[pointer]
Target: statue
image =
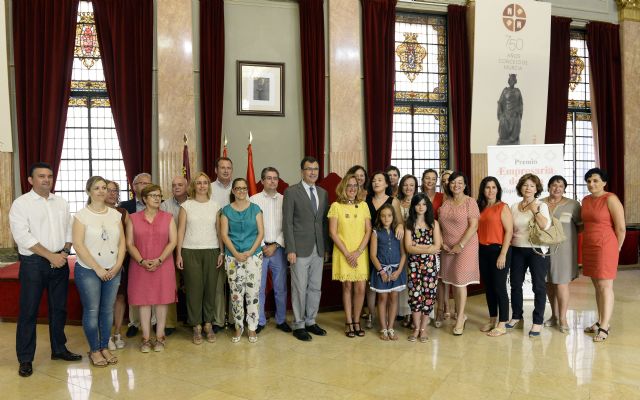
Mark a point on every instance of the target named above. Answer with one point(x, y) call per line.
point(510, 113)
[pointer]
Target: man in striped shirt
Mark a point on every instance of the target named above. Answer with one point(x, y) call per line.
point(274, 258)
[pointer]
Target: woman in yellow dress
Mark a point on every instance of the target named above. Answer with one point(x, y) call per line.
point(350, 229)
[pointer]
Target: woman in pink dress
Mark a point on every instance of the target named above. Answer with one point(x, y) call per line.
point(604, 232)
point(151, 238)
point(458, 218)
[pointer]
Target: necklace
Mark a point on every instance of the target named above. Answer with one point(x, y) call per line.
point(103, 211)
point(523, 206)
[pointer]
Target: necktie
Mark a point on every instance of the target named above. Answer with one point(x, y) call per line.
point(314, 203)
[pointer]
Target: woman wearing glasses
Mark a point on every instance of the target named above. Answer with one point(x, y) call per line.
point(151, 238)
point(241, 230)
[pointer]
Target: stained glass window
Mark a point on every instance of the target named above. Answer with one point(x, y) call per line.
point(421, 112)
point(90, 145)
point(579, 148)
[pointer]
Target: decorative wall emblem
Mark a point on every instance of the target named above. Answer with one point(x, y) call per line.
point(412, 55)
point(86, 46)
point(576, 66)
point(514, 17)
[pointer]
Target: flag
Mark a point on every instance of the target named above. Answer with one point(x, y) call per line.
point(186, 169)
point(251, 176)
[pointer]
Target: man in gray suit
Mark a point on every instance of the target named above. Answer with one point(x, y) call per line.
point(306, 238)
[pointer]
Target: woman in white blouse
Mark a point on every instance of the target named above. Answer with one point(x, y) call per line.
point(198, 255)
point(98, 238)
point(524, 256)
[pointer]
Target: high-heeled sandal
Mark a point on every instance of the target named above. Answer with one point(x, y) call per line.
point(349, 331)
point(359, 332)
point(111, 359)
point(236, 339)
point(460, 331)
point(100, 363)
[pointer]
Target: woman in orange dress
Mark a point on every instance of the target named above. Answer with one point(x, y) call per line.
point(604, 232)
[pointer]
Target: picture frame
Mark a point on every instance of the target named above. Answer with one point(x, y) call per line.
point(260, 88)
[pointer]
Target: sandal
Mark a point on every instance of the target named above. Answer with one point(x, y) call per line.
point(101, 363)
point(384, 335)
point(359, 332)
point(593, 328)
point(600, 338)
point(423, 337)
point(253, 336)
point(349, 330)
point(110, 358)
point(236, 339)
point(197, 334)
point(414, 336)
point(495, 332)
point(392, 334)
point(208, 332)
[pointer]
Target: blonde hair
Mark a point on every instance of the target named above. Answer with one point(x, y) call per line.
point(341, 190)
point(191, 191)
point(92, 181)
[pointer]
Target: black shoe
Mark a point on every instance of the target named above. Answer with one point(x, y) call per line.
point(316, 330)
point(302, 334)
point(169, 331)
point(259, 329)
point(25, 369)
point(284, 327)
point(217, 329)
point(132, 331)
point(66, 355)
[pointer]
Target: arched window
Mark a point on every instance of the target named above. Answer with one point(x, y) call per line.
point(421, 110)
point(90, 145)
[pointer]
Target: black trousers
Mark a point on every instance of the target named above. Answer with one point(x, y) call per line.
point(495, 280)
point(521, 259)
point(36, 275)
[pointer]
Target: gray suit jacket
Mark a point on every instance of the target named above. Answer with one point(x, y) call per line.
point(302, 228)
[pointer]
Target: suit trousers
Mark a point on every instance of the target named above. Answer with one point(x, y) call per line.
point(306, 288)
point(36, 275)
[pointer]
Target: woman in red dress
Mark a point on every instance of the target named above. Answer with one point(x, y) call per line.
point(604, 232)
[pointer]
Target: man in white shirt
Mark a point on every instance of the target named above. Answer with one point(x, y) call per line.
point(172, 205)
point(221, 187)
point(274, 258)
point(41, 227)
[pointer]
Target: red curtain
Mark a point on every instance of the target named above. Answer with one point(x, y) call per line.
point(460, 86)
point(125, 34)
point(312, 49)
point(211, 81)
point(378, 42)
point(43, 41)
point(603, 42)
point(559, 77)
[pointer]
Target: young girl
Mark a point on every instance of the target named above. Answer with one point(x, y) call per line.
point(422, 241)
point(388, 257)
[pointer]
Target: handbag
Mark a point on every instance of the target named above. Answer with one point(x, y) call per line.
point(554, 235)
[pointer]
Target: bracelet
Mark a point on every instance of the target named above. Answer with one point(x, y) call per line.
point(536, 213)
point(461, 245)
point(160, 259)
point(65, 250)
point(141, 261)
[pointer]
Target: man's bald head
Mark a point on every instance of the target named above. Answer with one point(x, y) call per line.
point(179, 186)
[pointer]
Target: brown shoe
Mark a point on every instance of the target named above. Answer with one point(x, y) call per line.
point(208, 332)
point(197, 334)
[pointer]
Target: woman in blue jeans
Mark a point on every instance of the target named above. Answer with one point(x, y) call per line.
point(98, 238)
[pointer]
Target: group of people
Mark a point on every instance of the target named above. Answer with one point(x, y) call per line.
point(423, 244)
point(394, 240)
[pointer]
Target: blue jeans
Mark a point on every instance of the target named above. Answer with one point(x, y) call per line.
point(35, 276)
point(97, 299)
point(277, 263)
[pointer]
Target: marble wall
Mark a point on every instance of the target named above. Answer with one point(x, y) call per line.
point(346, 108)
point(175, 89)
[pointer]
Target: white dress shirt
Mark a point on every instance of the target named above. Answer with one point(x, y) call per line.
point(220, 193)
point(272, 216)
point(34, 219)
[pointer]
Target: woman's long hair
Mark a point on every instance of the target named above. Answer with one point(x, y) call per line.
point(482, 199)
point(413, 216)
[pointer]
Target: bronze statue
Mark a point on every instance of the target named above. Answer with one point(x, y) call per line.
point(510, 113)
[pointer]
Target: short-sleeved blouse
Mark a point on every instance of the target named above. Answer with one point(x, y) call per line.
point(243, 227)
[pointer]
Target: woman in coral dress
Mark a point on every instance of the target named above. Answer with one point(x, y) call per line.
point(604, 232)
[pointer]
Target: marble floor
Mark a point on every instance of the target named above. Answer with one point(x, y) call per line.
point(472, 366)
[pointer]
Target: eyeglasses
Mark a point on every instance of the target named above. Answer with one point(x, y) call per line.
point(352, 186)
point(240, 189)
point(155, 196)
point(311, 169)
point(112, 190)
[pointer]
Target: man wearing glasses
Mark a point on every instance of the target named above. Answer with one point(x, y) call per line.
point(274, 258)
point(305, 225)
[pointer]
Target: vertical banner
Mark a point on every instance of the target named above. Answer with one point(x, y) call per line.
point(5, 108)
point(510, 73)
point(509, 163)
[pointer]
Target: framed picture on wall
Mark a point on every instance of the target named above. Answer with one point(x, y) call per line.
point(260, 88)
